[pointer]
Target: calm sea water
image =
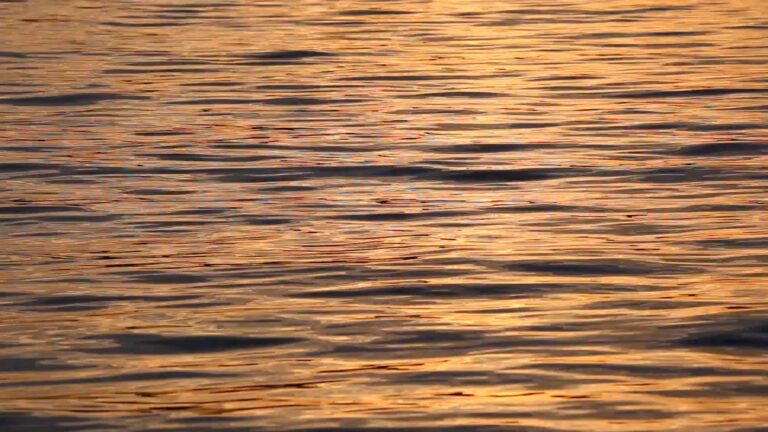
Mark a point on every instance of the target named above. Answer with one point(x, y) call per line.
point(442, 215)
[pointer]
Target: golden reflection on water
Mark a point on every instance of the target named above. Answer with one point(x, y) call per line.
point(276, 216)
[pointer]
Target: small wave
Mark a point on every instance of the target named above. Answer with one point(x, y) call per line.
point(72, 99)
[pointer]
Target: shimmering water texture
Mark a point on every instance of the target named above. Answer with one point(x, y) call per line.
point(375, 216)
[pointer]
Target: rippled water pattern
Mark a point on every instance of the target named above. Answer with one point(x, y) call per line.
point(384, 216)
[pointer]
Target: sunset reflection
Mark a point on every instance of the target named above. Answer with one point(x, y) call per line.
point(383, 216)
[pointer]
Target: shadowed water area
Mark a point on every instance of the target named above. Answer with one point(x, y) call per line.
point(429, 216)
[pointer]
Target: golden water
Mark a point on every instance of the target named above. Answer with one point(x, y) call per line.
point(377, 216)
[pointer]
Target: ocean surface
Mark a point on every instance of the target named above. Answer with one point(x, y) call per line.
point(427, 216)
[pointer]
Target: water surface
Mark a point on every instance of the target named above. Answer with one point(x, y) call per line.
point(384, 216)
